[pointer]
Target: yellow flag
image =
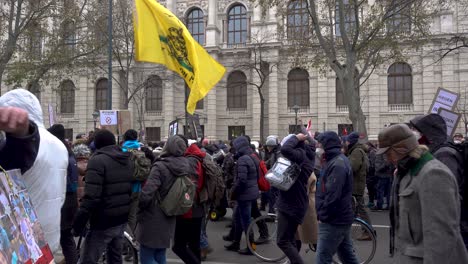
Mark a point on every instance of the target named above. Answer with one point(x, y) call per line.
point(160, 37)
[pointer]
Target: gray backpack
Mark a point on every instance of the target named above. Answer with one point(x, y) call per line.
point(179, 199)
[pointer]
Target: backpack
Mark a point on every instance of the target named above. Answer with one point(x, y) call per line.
point(463, 150)
point(142, 165)
point(214, 187)
point(263, 184)
point(179, 199)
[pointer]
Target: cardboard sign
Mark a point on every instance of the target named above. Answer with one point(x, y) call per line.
point(451, 119)
point(108, 117)
point(444, 99)
point(21, 237)
point(173, 128)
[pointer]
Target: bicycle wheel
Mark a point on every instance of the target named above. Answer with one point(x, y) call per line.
point(268, 252)
point(364, 249)
point(133, 245)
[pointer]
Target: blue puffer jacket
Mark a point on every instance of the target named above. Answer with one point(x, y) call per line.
point(333, 199)
point(295, 201)
point(245, 181)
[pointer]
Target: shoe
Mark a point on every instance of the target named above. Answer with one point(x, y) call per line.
point(234, 246)
point(128, 258)
point(364, 237)
point(244, 251)
point(228, 238)
point(262, 240)
point(204, 252)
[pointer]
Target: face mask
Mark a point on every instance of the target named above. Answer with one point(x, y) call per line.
point(417, 134)
point(457, 142)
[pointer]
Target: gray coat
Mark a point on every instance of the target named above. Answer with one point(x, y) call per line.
point(426, 217)
point(155, 229)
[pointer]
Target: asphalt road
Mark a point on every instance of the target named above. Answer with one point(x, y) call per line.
point(221, 256)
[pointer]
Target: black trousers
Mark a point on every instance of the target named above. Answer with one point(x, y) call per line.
point(287, 240)
point(187, 240)
point(67, 242)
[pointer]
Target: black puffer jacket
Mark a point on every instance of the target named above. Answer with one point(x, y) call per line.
point(245, 186)
point(108, 186)
point(295, 201)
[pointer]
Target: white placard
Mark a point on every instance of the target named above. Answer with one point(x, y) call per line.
point(108, 117)
point(447, 98)
point(451, 119)
point(436, 106)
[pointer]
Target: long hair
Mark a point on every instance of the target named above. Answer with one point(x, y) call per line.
point(418, 152)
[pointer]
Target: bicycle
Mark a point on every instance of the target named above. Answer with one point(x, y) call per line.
point(129, 241)
point(260, 251)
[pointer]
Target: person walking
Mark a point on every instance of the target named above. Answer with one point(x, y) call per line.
point(82, 154)
point(384, 173)
point(425, 206)
point(244, 191)
point(334, 203)
point(188, 226)
point(431, 130)
point(272, 153)
point(154, 228)
point(359, 160)
point(106, 202)
point(293, 204)
point(70, 206)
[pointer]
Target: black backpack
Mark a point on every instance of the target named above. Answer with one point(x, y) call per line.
point(463, 150)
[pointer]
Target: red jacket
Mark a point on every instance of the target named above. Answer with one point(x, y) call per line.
point(196, 156)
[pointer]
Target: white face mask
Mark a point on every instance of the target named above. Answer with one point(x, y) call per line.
point(457, 141)
point(417, 134)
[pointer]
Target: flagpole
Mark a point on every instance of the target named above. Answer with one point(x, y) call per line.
point(109, 83)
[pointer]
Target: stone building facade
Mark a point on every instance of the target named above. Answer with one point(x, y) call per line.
point(223, 117)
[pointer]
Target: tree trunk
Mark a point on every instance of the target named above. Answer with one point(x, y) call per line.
point(262, 118)
point(2, 70)
point(353, 100)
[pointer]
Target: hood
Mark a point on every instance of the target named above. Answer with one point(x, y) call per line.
point(242, 146)
point(194, 150)
point(130, 144)
point(177, 165)
point(24, 99)
point(329, 140)
point(433, 127)
point(175, 146)
point(115, 153)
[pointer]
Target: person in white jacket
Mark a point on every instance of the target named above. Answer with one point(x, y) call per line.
point(46, 179)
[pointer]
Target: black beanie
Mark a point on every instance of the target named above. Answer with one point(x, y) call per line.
point(58, 130)
point(104, 138)
point(131, 134)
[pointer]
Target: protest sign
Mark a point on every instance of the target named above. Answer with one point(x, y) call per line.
point(451, 119)
point(108, 117)
point(21, 237)
point(444, 99)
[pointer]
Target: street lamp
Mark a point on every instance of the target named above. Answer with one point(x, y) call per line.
point(95, 117)
point(296, 109)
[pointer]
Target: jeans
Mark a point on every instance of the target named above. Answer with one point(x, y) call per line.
point(384, 186)
point(203, 236)
point(242, 218)
point(361, 209)
point(187, 240)
point(67, 242)
point(97, 241)
point(286, 238)
point(152, 255)
point(334, 239)
point(255, 213)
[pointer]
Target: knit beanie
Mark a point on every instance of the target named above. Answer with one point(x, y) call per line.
point(353, 138)
point(58, 130)
point(104, 138)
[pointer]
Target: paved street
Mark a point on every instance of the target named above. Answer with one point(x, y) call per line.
point(221, 256)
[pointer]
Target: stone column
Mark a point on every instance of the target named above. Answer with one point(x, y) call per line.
point(273, 99)
point(172, 5)
point(212, 31)
point(211, 131)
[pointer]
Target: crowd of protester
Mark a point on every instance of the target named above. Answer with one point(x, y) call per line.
point(97, 187)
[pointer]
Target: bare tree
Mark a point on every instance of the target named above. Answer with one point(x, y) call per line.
point(261, 68)
point(354, 37)
point(15, 17)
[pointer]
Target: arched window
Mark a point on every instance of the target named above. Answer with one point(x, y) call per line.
point(154, 93)
point(237, 90)
point(67, 97)
point(101, 94)
point(298, 88)
point(196, 25)
point(237, 25)
point(298, 20)
point(400, 84)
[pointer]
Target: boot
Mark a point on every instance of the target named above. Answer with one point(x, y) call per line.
point(264, 237)
point(228, 238)
point(234, 246)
